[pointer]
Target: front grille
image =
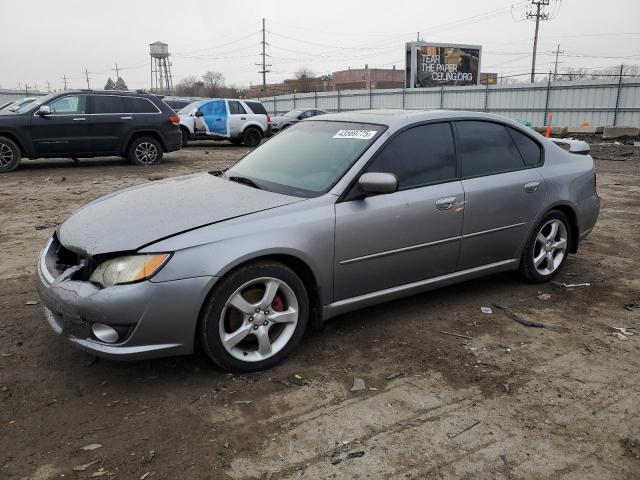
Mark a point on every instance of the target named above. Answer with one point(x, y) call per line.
point(65, 259)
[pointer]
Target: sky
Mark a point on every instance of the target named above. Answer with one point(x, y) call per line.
point(42, 40)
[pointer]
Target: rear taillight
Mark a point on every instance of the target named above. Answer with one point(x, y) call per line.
point(268, 119)
point(175, 119)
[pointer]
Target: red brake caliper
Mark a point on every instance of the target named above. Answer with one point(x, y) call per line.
point(278, 304)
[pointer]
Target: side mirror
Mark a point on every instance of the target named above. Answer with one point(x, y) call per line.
point(199, 114)
point(300, 117)
point(44, 110)
point(378, 183)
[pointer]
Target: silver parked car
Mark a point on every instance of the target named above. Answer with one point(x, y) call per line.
point(334, 214)
point(281, 122)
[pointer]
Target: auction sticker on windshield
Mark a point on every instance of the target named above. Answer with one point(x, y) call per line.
point(360, 134)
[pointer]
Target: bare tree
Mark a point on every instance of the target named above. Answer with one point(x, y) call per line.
point(190, 86)
point(213, 83)
point(304, 80)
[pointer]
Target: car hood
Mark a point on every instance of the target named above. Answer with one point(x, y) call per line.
point(135, 217)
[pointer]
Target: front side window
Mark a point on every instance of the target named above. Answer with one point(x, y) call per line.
point(308, 159)
point(486, 148)
point(71, 105)
point(235, 108)
point(421, 155)
point(108, 104)
point(214, 107)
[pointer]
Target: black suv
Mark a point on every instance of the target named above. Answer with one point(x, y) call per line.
point(86, 123)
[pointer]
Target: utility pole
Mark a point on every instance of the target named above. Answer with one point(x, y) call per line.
point(86, 75)
point(264, 64)
point(64, 79)
point(555, 69)
point(117, 71)
point(538, 14)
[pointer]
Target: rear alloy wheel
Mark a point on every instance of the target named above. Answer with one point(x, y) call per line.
point(9, 155)
point(145, 151)
point(185, 137)
point(251, 137)
point(255, 317)
point(546, 250)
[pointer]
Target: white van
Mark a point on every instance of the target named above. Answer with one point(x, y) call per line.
point(239, 121)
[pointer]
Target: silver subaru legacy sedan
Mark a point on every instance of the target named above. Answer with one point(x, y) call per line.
point(334, 214)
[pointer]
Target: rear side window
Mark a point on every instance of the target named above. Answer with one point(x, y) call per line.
point(107, 104)
point(235, 108)
point(419, 156)
point(529, 149)
point(140, 105)
point(486, 148)
point(257, 107)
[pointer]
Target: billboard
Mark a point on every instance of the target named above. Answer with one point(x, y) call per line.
point(440, 64)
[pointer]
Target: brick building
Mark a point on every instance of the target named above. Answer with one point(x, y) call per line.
point(357, 78)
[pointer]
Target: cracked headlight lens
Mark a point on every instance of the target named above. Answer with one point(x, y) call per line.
point(128, 269)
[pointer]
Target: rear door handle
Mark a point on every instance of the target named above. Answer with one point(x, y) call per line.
point(79, 119)
point(126, 118)
point(243, 118)
point(446, 203)
point(531, 187)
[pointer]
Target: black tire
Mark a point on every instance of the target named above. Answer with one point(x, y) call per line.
point(185, 136)
point(251, 137)
point(10, 155)
point(136, 152)
point(215, 306)
point(534, 248)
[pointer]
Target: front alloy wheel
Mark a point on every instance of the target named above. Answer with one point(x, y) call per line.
point(259, 319)
point(255, 316)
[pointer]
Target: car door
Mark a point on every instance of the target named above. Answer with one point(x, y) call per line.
point(65, 131)
point(503, 194)
point(237, 118)
point(215, 118)
point(111, 121)
point(412, 234)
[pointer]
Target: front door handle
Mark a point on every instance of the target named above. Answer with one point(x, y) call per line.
point(446, 203)
point(79, 119)
point(531, 187)
point(126, 118)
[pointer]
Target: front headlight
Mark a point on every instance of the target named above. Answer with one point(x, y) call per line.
point(131, 268)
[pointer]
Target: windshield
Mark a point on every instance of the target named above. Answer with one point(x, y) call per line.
point(308, 158)
point(187, 110)
point(34, 103)
point(292, 113)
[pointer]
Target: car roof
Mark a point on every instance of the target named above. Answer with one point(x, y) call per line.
point(108, 92)
point(398, 118)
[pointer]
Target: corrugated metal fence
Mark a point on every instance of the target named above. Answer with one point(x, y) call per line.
point(599, 102)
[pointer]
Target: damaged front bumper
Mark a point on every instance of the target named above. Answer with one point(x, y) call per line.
point(152, 319)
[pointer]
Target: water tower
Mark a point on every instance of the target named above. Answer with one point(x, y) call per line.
point(160, 68)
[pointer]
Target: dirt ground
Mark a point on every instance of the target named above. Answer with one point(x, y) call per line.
point(511, 402)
